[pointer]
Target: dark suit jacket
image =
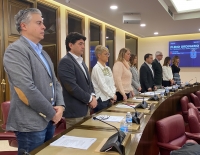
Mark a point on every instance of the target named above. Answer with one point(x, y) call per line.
point(157, 68)
point(77, 89)
point(146, 77)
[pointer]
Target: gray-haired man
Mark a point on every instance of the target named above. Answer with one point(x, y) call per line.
point(36, 97)
point(157, 68)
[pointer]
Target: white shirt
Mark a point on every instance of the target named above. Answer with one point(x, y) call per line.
point(103, 82)
point(150, 66)
point(167, 73)
point(79, 60)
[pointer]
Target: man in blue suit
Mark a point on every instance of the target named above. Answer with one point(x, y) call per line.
point(78, 91)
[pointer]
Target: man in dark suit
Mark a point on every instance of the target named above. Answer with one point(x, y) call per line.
point(78, 91)
point(147, 74)
point(157, 68)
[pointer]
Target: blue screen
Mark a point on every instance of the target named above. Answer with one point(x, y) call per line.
point(188, 52)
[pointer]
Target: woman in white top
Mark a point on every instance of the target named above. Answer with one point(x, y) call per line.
point(167, 73)
point(102, 79)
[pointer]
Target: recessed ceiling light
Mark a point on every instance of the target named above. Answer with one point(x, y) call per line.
point(107, 37)
point(142, 25)
point(156, 33)
point(199, 29)
point(113, 7)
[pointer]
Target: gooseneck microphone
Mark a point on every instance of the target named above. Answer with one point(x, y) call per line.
point(135, 118)
point(121, 134)
point(196, 83)
point(143, 104)
point(23, 152)
point(114, 142)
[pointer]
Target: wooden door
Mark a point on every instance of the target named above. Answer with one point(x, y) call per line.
point(8, 34)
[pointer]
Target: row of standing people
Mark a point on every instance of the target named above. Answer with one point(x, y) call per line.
point(37, 99)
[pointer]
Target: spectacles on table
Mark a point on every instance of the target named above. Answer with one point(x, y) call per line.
point(103, 117)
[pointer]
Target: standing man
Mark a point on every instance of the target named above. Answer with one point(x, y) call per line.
point(36, 100)
point(157, 68)
point(147, 74)
point(77, 87)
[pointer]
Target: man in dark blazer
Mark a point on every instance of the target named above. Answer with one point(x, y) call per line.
point(78, 91)
point(36, 96)
point(157, 68)
point(147, 74)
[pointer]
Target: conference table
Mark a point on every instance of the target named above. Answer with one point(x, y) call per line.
point(142, 137)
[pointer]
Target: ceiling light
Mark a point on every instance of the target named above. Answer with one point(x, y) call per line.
point(186, 5)
point(156, 33)
point(107, 37)
point(113, 7)
point(142, 25)
point(199, 29)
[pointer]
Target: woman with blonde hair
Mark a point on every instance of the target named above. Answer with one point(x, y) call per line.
point(102, 79)
point(122, 75)
point(176, 70)
point(135, 75)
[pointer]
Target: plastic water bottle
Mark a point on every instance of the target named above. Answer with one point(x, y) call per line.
point(124, 126)
point(162, 94)
point(129, 118)
point(166, 90)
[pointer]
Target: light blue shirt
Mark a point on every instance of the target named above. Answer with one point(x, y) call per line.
point(38, 49)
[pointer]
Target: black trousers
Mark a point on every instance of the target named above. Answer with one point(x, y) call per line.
point(166, 83)
point(120, 97)
point(102, 105)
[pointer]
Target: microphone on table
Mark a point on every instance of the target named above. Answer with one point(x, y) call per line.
point(196, 83)
point(154, 97)
point(23, 152)
point(114, 142)
point(135, 115)
point(143, 104)
point(189, 83)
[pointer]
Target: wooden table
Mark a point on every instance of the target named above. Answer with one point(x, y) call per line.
point(144, 139)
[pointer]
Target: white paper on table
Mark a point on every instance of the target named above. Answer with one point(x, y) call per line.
point(74, 142)
point(149, 94)
point(160, 91)
point(139, 99)
point(169, 88)
point(124, 106)
point(110, 118)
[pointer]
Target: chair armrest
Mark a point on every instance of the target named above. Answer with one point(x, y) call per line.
point(167, 146)
point(7, 136)
point(194, 136)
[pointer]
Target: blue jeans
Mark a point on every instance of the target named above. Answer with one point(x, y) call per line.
point(31, 140)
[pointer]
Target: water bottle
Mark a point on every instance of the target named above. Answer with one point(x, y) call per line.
point(124, 126)
point(129, 118)
point(162, 94)
point(166, 90)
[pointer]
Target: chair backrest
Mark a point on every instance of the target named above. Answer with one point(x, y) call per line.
point(5, 107)
point(195, 100)
point(184, 106)
point(171, 130)
point(197, 93)
point(194, 120)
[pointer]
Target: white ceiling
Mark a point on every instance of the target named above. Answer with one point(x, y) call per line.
point(152, 13)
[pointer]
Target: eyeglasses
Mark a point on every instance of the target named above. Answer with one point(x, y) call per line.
point(107, 54)
point(103, 117)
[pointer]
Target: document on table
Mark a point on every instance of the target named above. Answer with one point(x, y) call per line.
point(124, 106)
point(74, 142)
point(110, 118)
point(139, 99)
point(149, 94)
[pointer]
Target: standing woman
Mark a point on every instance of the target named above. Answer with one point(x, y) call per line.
point(135, 76)
point(122, 75)
point(176, 70)
point(167, 73)
point(102, 79)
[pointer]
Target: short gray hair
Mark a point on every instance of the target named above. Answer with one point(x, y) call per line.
point(99, 49)
point(24, 16)
point(158, 53)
